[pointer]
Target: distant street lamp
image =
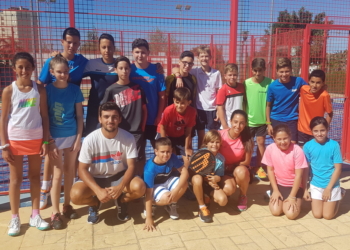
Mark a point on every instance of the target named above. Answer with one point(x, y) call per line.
point(179, 7)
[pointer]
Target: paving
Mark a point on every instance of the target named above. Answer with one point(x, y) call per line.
point(255, 228)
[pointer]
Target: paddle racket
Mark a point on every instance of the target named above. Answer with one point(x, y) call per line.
point(203, 163)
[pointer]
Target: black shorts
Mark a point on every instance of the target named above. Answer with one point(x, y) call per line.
point(178, 144)
point(285, 192)
point(303, 138)
point(258, 131)
point(205, 120)
point(141, 146)
point(110, 181)
point(292, 125)
point(150, 132)
point(229, 169)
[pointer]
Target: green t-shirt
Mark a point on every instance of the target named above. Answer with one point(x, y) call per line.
point(256, 101)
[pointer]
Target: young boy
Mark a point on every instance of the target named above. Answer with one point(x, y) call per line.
point(283, 99)
point(131, 100)
point(208, 84)
point(189, 81)
point(177, 122)
point(230, 96)
point(255, 97)
point(163, 186)
point(314, 101)
point(145, 74)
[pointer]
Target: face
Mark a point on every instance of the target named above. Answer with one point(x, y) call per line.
point(123, 70)
point(204, 59)
point(258, 74)
point(110, 120)
point(316, 84)
point(71, 44)
point(181, 106)
point(140, 54)
point(107, 49)
point(238, 123)
point(163, 152)
point(60, 72)
point(23, 69)
point(186, 64)
point(231, 77)
point(320, 133)
point(284, 74)
point(282, 140)
point(214, 146)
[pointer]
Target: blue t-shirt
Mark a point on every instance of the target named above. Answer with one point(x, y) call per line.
point(285, 99)
point(61, 106)
point(220, 164)
point(152, 83)
point(322, 158)
point(76, 70)
point(152, 169)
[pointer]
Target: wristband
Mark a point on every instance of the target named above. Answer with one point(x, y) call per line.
point(178, 76)
point(45, 142)
point(268, 123)
point(5, 146)
point(293, 198)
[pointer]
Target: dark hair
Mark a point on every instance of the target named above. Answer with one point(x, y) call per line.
point(162, 141)
point(187, 53)
point(58, 59)
point(258, 63)
point(283, 62)
point(245, 134)
point(110, 106)
point(181, 94)
point(70, 32)
point(140, 42)
point(122, 59)
point(106, 36)
point(281, 128)
point(25, 56)
point(317, 121)
point(318, 73)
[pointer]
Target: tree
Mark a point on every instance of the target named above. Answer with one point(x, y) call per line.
point(158, 43)
point(91, 44)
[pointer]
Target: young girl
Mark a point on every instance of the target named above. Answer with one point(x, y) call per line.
point(324, 157)
point(66, 127)
point(285, 163)
point(209, 185)
point(24, 124)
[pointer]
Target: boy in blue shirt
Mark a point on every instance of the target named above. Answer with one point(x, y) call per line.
point(163, 186)
point(283, 99)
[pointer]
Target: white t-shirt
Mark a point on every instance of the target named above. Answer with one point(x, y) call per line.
point(207, 84)
point(107, 157)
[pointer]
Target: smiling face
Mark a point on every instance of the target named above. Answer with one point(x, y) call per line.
point(284, 74)
point(60, 72)
point(204, 59)
point(186, 64)
point(110, 120)
point(107, 49)
point(258, 74)
point(214, 146)
point(123, 70)
point(163, 153)
point(316, 84)
point(23, 69)
point(71, 44)
point(320, 133)
point(231, 77)
point(238, 123)
point(140, 54)
point(282, 140)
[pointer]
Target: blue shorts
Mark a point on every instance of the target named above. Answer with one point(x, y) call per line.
point(292, 125)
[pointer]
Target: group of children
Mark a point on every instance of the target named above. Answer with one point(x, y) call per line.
point(48, 121)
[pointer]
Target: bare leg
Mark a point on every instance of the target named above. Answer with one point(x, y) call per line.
point(260, 140)
point(289, 212)
point(242, 177)
point(276, 209)
point(229, 185)
point(16, 177)
point(47, 169)
point(57, 166)
point(34, 177)
point(176, 196)
point(197, 183)
point(220, 197)
point(81, 194)
point(69, 172)
point(330, 209)
point(134, 190)
point(317, 208)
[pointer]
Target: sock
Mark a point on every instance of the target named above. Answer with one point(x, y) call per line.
point(46, 185)
point(14, 216)
point(201, 206)
point(35, 212)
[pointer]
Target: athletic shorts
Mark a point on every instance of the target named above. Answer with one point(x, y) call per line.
point(316, 193)
point(141, 146)
point(160, 189)
point(258, 131)
point(292, 125)
point(285, 192)
point(229, 169)
point(111, 181)
point(150, 132)
point(303, 138)
point(29, 147)
point(205, 120)
point(65, 142)
point(178, 143)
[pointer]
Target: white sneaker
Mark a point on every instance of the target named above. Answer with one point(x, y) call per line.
point(38, 222)
point(153, 211)
point(44, 195)
point(171, 209)
point(14, 227)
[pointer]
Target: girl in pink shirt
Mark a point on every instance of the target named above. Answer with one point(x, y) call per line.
point(285, 163)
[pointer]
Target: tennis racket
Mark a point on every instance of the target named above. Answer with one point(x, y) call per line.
point(203, 163)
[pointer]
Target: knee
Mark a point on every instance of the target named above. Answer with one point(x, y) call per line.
point(76, 196)
point(317, 215)
point(139, 187)
point(222, 200)
point(328, 216)
point(292, 215)
point(16, 181)
point(197, 180)
point(34, 177)
point(276, 212)
point(242, 173)
point(229, 189)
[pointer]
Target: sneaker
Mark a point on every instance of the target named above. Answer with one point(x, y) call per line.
point(261, 173)
point(14, 227)
point(204, 215)
point(171, 209)
point(56, 222)
point(44, 195)
point(242, 203)
point(122, 208)
point(69, 212)
point(38, 222)
point(94, 216)
point(153, 211)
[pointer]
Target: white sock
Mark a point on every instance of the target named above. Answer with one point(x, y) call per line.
point(201, 206)
point(46, 185)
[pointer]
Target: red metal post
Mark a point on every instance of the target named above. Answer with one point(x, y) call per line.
point(324, 47)
point(274, 59)
point(212, 49)
point(305, 62)
point(121, 43)
point(169, 64)
point(71, 13)
point(252, 53)
point(233, 31)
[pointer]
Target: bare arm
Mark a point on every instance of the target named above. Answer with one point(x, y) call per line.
point(176, 71)
point(222, 117)
point(247, 159)
point(44, 117)
point(162, 130)
point(161, 106)
point(144, 117)
point(329, 118)
point(188, 141)
point(335, 177)
point(149, 223)
point(6, 106)
point(183, 176)
point(80, 124)
point(268, 119)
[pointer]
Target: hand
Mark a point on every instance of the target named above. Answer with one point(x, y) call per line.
point(326, 196)
point(214, 185)
point(217, 117)
point(292, 204)
point(53, 151)
point(55, 53)
point(179, 83)
point(307, 196)
point(76, 146)
point(149, 225)
point(188, 152)
point(276, 195)
point(270, 129)
point(171, 196)
point(213, 178)
point(7, 155)
point(159, 69)
point(44, 150)
point(115, 191)
point(103, 195)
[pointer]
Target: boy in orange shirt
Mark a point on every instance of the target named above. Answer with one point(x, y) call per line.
point(314, 101)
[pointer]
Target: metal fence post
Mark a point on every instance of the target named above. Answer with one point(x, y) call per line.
point(233, 31)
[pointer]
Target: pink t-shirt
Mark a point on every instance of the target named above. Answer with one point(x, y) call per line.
point(284, 162)
point(232, 150)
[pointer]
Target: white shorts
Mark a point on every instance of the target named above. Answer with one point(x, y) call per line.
point(316, 193)
point(65, 142)
point(160, 189)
